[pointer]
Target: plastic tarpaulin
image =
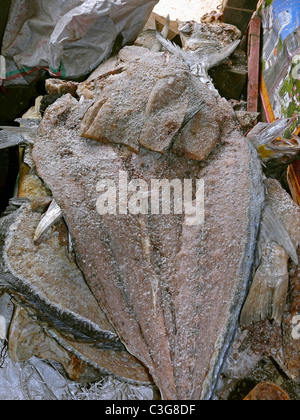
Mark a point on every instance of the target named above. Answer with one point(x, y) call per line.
point(281, 58)
point(68, 38)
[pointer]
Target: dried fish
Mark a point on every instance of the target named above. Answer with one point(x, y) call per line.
point(269, 140)
point(53, 291)
point(200, 62)
point(157, 279)
point(267, 391)
point(279, 237)
point(11, 139)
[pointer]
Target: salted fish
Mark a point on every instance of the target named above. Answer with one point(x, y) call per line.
point(43, 280)
point(172, 292)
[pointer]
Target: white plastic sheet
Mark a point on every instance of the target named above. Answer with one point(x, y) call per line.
point(38, 379)
point(68, 38)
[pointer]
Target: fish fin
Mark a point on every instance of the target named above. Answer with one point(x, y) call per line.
point(50, 218)
point(206, 61)
point(166, 28)
point(267, 295)
point(169, 45)
point(273, 230)
point(279, 299)
point(156, 47)
point(274, 130)
point(10, 139)
point(258, 303)
point(190, 59)
point(213, 60)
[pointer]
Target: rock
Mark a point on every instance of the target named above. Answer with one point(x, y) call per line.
point(247, 119)
point(61, 87)
point(267, 391)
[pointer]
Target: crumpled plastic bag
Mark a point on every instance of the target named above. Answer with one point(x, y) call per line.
point(38, 379)
point(67, 38)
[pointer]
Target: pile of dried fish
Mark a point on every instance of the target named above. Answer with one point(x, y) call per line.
point(142, 295)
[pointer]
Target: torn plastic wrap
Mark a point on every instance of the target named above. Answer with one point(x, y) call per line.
point(68, 39)
point(280, 87)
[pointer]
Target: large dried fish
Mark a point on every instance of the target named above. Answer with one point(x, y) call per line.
point(173, 292)
point(268, 291)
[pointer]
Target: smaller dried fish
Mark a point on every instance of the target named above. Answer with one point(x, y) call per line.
point(50, 218)
point(11, 139)
point(270, 142)
point(30, 123)
point(264, 133)
point(199, 64)
point(268, 292)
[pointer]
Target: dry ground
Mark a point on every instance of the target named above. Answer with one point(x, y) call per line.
point(186, 9)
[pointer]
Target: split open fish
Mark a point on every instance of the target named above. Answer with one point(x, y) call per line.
point(158, 280)
point(44, 281)
point(172, 292)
